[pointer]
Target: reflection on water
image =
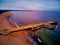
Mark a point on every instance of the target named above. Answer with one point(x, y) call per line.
point(20, 18)
point(29, 17)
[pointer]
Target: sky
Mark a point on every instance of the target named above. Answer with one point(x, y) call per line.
point(30, 5)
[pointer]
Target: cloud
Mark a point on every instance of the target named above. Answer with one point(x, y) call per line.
point(29, 5)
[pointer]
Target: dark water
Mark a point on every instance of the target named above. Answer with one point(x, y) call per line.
point(29, 17)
